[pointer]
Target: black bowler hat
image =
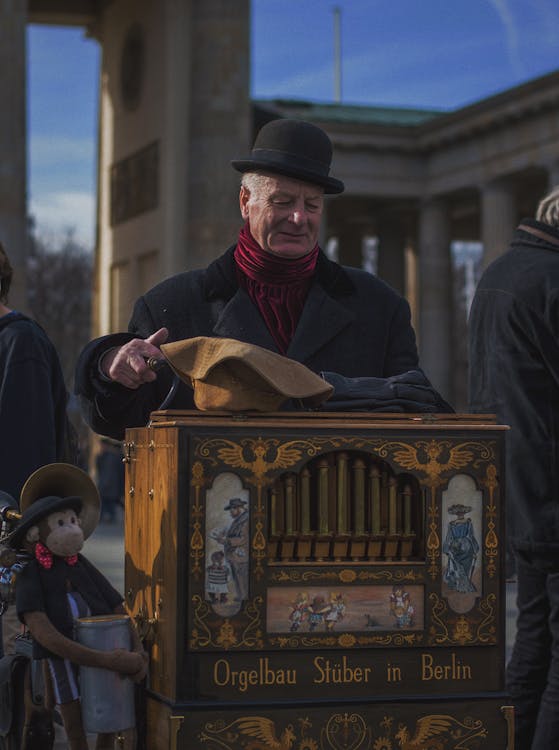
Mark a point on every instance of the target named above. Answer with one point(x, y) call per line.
point(37, 511)
point(294, 148)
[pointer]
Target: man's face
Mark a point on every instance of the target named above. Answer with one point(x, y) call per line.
point(284, 215)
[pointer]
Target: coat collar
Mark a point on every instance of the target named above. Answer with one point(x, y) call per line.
point(322, 319)
point(540, 232)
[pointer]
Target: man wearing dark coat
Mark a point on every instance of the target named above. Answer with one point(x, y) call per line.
point(274, 288)
point(514, 373)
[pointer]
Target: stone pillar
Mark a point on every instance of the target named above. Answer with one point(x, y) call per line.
point(13, 225)
point(392, 242)
point(435, 279)
point(218, 124)
point(498, 218)
point(350, 238)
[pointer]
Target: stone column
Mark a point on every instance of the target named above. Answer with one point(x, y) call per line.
point(350, 239)
point(13, 231)
point(435, 295)
point(498, 218)
point(392, 242)
point(218, 124)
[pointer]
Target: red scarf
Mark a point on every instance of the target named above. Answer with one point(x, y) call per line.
point(277, 286)
point(44, 556)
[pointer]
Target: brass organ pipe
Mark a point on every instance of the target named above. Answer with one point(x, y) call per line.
point(289, 504)
point(323, 496)
point(374, 488)
point(392, 506)
point(273, 511)
point(407, 509)
point(341, 495)
point(305, 501)
point(359, 496)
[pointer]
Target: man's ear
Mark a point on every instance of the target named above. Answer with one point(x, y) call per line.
point(244, 196)
point(32, 535)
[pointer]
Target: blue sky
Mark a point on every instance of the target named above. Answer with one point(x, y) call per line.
point(440, 54)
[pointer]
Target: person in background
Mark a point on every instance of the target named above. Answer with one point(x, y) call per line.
point(33, 394)
point(33, 399)
point(514, 373)
point(110, 478)
point(273, 287)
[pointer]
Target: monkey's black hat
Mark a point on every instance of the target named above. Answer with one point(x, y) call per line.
point(293, 148)
point(36, 512)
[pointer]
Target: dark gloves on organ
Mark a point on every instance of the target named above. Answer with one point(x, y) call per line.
point(409, 392)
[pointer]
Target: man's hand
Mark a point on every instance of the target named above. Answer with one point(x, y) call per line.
point(127, 364)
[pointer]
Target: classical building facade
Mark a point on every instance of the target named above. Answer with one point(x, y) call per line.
point(175, 109)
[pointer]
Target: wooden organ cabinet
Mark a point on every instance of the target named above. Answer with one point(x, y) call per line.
point(319, 581)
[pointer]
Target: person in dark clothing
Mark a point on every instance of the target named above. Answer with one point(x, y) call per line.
point(33, 400)
point(110, 478)
point(274, 288)
point(33, 395)
point(514, 373)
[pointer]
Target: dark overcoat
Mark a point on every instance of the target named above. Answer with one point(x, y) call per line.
point(32, 402)
point(514, 373)
point(352, 323)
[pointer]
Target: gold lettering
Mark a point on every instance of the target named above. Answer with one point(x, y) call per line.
point(453, 671)
point(339, 673)
point(243, 678)
point(221, 672)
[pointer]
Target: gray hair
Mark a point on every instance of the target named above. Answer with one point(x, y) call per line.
point(548, 209)
point(255, 182)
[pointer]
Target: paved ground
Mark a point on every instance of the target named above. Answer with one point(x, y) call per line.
point(105, 548)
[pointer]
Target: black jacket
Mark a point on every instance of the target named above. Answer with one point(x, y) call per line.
point(514, 373)
point(32, 402)
point(352, 323)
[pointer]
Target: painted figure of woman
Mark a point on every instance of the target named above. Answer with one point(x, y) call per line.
point(462, 548)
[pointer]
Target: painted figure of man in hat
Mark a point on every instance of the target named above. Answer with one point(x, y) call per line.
point(274, 287)
point(235, 542)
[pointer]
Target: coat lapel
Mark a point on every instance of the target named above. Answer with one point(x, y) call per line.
point(322, 320)
point(240, 320)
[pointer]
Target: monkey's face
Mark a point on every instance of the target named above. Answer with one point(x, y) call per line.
point(62, 533)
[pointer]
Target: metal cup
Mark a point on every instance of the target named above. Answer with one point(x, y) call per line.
point(107, 698)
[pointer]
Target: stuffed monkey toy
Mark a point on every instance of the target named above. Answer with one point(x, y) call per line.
point(57, 586)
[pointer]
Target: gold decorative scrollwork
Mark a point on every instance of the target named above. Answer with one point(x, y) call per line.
point(430, 457)
point(347, 640)
point(479, 627)
point(244, 633)
point(348, 731)
point(196, 539)
point(256, 455)
point(434, 457)
point(344, 731)
point(491, 539)
point(347, 576)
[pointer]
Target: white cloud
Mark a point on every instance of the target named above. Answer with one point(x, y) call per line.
point(57, 212)
point(510, 27)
